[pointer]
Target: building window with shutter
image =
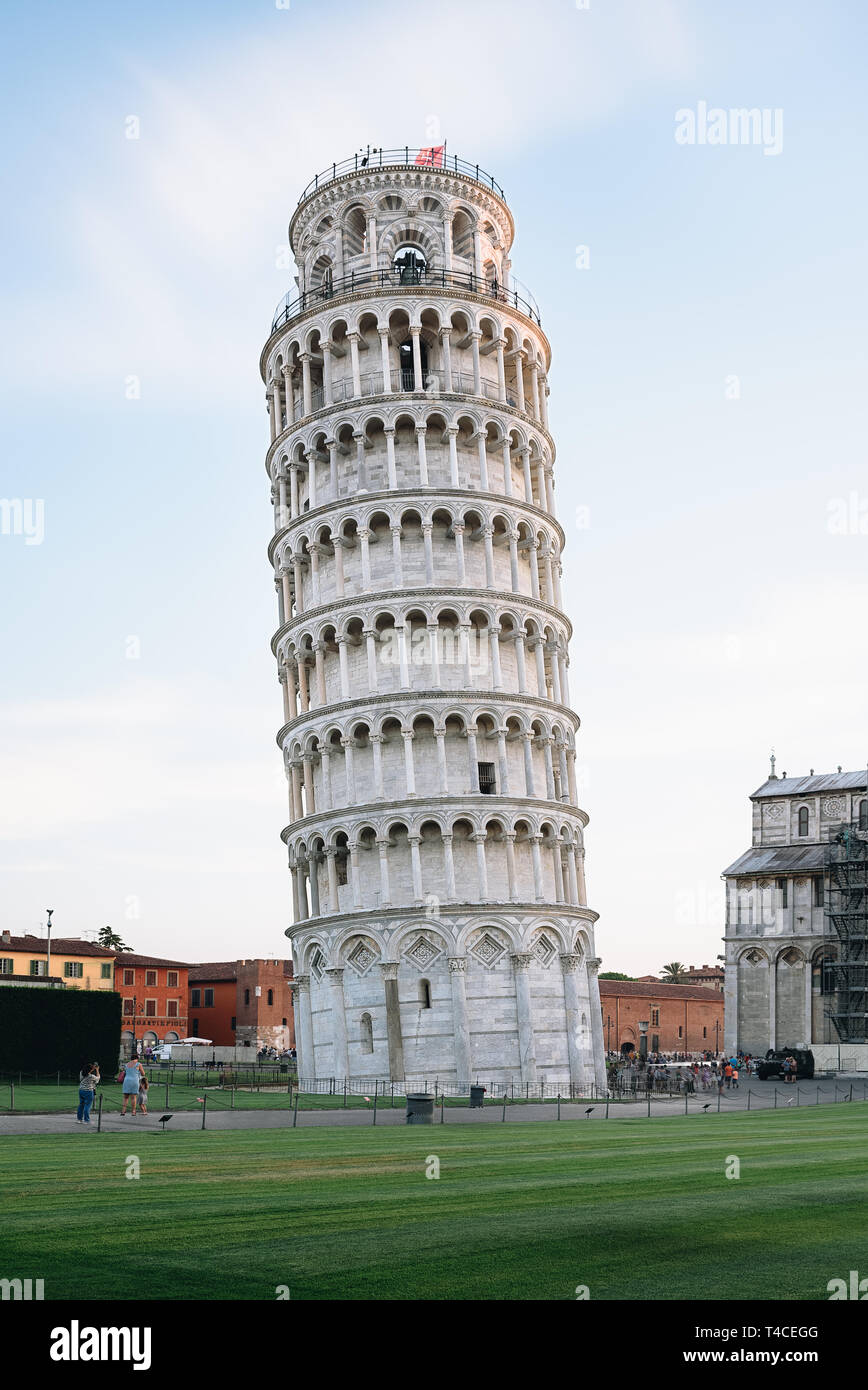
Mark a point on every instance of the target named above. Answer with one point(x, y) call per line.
point(151, 978)
point(171, 1008)
point(172, 979)
point(209, 999)
point(150, 1008)
point(195, 998)
point(129, 977)
point(487, 783)
point(106, 971)
point(73, 969)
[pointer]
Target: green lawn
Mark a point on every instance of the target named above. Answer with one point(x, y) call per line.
point(519, 1211)
point(47, 1098)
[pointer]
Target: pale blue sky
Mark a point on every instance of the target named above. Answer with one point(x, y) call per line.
point(715, 613)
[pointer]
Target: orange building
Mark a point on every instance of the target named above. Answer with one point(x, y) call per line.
point(680, 1018)
point(153, 999)
point(244, 1003)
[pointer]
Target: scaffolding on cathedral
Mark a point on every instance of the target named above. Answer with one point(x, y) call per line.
point(847, 928)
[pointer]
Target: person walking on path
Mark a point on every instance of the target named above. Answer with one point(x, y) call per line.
point(133, 1072)
point(88, 1080)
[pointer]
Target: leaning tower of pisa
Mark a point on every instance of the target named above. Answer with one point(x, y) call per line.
point(435, 838)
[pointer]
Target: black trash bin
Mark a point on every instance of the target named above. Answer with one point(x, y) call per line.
point(420, 1110)
point(477, 1096)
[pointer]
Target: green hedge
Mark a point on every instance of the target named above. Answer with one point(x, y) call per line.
point(55, 1029)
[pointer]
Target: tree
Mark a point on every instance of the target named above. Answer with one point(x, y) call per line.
point(614, 975)
point(674, 973)
point(111, 941)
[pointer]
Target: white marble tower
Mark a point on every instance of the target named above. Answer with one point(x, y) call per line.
point(441, 927)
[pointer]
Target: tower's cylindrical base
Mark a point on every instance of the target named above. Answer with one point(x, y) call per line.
point(507, 998)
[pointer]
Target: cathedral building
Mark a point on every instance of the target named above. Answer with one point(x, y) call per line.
point(786, 972)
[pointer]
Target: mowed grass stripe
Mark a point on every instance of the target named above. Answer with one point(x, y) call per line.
point(517, 1213)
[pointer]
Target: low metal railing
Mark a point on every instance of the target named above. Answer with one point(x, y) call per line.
point(422, 157)
point(395, 278)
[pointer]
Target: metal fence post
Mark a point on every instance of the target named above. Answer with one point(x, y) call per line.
point(748, 1098)
point(442, 1107)
point(776, 1097)
point(345, 1093)
point(649, 1105)
point(559, 1105)
point(167, 1095)
point(11, 1095)
point(718, 1100)
point(503, 1115)
point(818, 1095)
point(99, 1115)
point(798, 1093)
point(607, 1107)
point(204, 1108)
point(295, 1111)
point(376, 1087)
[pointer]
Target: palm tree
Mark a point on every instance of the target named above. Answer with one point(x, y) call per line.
point(674, 973)
point(111, 940)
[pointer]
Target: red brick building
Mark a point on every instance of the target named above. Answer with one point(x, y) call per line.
point(244, 1003)
point(711, 976)
point(680, 1018)
point(153, 999)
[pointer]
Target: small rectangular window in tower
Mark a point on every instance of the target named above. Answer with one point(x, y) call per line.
point(818, 891)
point(781, 885)
point(655, 1017)
point(487, 784)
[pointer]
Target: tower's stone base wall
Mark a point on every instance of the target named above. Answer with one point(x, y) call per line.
point(502, 998)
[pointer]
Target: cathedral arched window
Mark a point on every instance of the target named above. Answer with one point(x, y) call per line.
point(803, 820)
point(425, 994)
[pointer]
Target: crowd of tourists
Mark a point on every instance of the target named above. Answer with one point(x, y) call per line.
point(676, 1073)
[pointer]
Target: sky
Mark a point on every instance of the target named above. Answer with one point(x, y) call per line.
point(705, 303)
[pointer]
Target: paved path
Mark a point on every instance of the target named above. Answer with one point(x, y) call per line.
point(761, 1094)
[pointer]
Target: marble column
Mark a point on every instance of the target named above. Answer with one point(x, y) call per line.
point(306, 1061)
point(394, 1037)
point(460, 1025)
point(340, 1050)
point(527, 1059)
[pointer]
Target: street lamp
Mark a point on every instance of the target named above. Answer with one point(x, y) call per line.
point(608, 1032)
point(643, 1038)
point(50, 913)
point(716, 1036)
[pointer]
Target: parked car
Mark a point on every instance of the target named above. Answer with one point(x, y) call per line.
point(771, 1066)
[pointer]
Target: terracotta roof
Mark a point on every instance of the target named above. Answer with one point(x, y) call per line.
point(655, 991)
point(130, 958)
point(213, 970)
point(66, 946)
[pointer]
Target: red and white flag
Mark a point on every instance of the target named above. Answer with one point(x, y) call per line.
point(432, 155)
